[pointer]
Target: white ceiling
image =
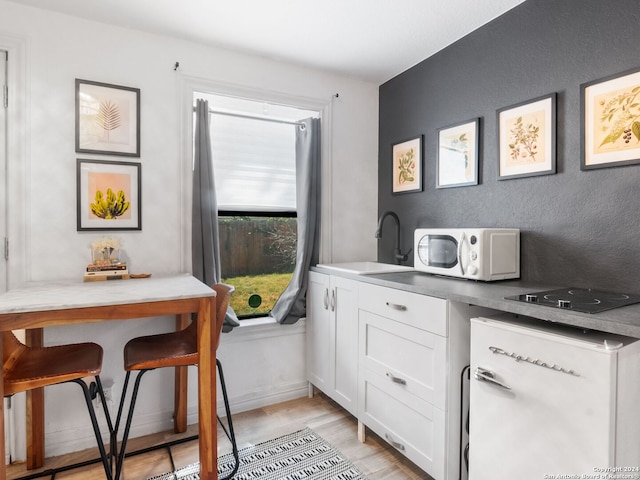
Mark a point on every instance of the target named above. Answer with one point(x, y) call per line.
point(373, 40)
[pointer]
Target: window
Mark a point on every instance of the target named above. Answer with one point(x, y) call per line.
point(255, 177)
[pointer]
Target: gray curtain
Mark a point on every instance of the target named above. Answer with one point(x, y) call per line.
point(291, 306)
point(205, 245)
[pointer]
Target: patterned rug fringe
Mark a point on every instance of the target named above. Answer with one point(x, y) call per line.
point(301, 455)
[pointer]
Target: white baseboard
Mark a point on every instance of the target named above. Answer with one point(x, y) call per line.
point(255, 399)
point(264, 398)
point(255, 358)
point(77, 439)
point(72, 440)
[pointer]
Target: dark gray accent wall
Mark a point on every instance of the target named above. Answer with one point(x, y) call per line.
point(579, 228)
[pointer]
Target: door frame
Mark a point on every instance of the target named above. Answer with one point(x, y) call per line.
point(17, 167)
point(4, 210)
point(15, 193)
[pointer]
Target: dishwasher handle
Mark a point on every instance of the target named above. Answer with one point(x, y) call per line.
point(484, 375)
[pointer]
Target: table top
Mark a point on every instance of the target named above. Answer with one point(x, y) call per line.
point(60, 295)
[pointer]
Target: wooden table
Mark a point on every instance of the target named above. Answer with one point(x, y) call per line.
point(39, 305)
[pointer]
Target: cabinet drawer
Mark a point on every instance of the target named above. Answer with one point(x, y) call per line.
point(412, 426)
point(420, 311)
point(408, 359)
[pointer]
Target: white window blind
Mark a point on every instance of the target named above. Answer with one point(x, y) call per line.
point(253, 160)
point(254, 164)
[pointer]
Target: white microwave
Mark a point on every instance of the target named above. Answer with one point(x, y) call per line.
point(485, 254)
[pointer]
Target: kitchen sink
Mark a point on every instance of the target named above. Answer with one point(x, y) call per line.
point(366, 268)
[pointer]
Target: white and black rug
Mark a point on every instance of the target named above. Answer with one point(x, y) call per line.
point(302, 455)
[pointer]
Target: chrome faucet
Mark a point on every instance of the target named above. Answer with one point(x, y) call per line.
point(397, 254)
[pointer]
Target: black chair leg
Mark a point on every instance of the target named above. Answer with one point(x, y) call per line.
point(114, 431)
point(94, 421)
point(127, 427)
point(113, 448)
point(113, 454)
point(230, 432)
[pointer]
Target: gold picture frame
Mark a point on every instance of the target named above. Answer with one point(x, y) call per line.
point(610, 115)
point(527, 138)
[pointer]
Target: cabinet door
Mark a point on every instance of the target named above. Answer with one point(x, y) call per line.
point(345, 339)
point(319, 332)
point(332, 338)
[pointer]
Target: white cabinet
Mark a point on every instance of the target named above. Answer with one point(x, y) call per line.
point(332, 337)
point(412, 350)
point(318, 331)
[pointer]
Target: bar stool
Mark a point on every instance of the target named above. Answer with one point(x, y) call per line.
point(173, 349)
point(27, 368)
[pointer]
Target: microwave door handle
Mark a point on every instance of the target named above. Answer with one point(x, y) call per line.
point(462, 239)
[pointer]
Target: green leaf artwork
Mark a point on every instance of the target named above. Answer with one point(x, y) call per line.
point(406, 167)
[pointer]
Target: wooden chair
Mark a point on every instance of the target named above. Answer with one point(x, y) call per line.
point(173, 349)
point(25, 368)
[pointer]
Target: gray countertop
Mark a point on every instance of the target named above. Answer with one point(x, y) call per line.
point(621, 321)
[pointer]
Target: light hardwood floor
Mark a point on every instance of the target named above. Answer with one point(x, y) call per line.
point(375, 458)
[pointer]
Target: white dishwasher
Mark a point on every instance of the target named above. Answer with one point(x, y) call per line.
point(549, 401)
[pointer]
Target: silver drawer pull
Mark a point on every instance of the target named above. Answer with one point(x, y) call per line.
point(395, 379)
point(484, 375)
point(395, 444)
point(397, 306)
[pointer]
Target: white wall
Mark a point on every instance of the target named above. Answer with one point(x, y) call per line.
point(49, 51)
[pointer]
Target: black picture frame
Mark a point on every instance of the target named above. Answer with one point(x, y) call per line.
point(407, 165)
point(105, 187)
point(459, 154)
point(107, 119)
point(520, 128)
point(610, 121)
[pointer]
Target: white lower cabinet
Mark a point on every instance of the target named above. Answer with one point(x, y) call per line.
point(332, 338)
point(394, 359)
point(408, 423)
point(412, 352)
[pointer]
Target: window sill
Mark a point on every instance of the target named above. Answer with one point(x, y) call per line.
point(262, 327)
point(251, 322)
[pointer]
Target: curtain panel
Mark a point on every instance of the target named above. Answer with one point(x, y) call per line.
point(205, 245)
point(291, 306)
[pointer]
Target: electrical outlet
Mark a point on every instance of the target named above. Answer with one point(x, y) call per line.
point(108, 394)
point(108, 387)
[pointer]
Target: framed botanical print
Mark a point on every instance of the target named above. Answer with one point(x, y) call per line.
point(407, 166)
point(527, 138)
point(107, 119)
point(108, 195)
point(610, 117)
point(458, 154)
